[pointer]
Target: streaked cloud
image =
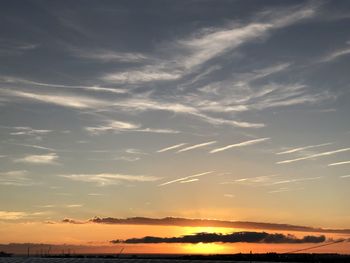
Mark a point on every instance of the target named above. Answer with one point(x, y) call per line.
point(74, 205)
point(189, 181)
point(297, 180)
point(171, 147)
point(196, 146)
point(12, 215)
point(15, 178)
point(339, 163)
point(127, 158)
point(242, 144)
point(345, 176)
point(104, 179)
point(16, 80)
point(186, 179)
point(115, 126)
point(103, 55)
point(28, 131)
point(39, 159)
point(293, 150)
point(313, 156)
point(337, 54)
point(71, 101)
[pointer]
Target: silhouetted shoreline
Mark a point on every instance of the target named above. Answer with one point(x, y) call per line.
point(266, 257)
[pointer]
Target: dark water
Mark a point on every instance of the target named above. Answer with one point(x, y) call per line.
point(102, 260)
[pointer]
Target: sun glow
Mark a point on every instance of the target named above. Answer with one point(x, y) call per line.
point(205, 248)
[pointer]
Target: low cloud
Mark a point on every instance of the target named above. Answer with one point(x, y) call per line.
point(174, 221)
point(246, 237)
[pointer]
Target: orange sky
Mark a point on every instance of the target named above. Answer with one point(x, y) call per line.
point(94, 238)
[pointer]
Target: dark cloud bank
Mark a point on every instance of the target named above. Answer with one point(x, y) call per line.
point(174, 221)
point(247, 237)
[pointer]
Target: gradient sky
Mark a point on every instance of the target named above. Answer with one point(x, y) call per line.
point(233, 110)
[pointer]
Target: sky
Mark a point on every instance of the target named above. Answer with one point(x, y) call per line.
point(201, 109)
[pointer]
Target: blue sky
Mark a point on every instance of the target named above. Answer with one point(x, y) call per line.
point(206, 109)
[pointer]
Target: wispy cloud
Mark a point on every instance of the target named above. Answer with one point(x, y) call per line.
point(39, 159)
point(252, 180)
point(196, 146)
point(297, 180)
point(71, 101)
point(303, 148)
point(186, 179)
point(314, 156)
point(104, 179)
point(171, 147)
point(29, 131)
point(74, 205)
point(115, 126)
point(242, 144)
point(336, 55)
point(15, 178)
point(165, 131)
point(127, 158)
point(339, 163)
point(123, 126)
point(16, 80)
point(345, 176)
point(11, 215)
point(103, 55)
point(189, 181)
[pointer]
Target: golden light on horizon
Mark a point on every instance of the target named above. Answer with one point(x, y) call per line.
point(205, 248)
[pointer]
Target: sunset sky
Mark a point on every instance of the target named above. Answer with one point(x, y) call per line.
point(197, 109)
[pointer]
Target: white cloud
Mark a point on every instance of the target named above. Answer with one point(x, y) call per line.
point(71, 101)
point(192, 52)
point(314, 156)
point(103, 55)
point(303, 148)
point(189, 181)
point(242, 144)
point(15, 178)
point(74, 205)
point(297, 180)
point(15, 80)
point(336, 55)
point(9, 215)
point(171, 147)
point(127, 158)
point(345, 176)
point(339, 163)
point(29, 131)
point(103, 179)
point(165, 131)
point(186, 179)
point(196, 146)
point(39, 159)
point(115, 126)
